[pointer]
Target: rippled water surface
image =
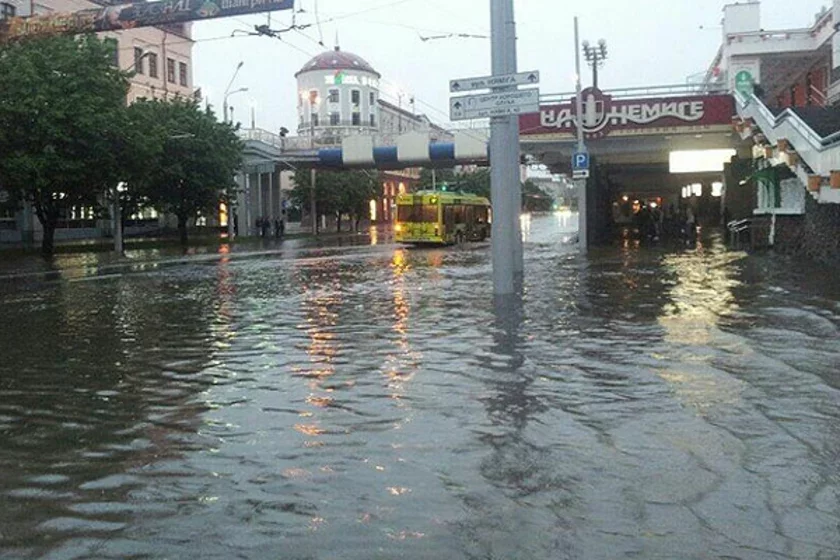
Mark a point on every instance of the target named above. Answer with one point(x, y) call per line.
point(373, 402)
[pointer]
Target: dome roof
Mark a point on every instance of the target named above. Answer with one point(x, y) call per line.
point(337, 59)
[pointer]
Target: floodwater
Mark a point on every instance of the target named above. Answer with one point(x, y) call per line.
point(372, 402)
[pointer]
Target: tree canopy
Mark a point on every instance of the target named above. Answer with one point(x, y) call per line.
point(61, 110)
point(337, 192)
point(190, 159)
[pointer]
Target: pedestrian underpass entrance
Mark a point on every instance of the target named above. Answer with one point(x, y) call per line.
point(657, 149)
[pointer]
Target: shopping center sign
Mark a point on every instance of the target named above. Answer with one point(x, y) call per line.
point(130, 16)
point(603, 115)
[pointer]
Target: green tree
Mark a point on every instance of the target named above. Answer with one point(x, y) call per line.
point(61, 107)
point(337, 193)
point(192, 162)
point(534, 199)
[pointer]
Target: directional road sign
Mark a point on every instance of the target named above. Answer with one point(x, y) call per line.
point(488, 82)
point(494, 104)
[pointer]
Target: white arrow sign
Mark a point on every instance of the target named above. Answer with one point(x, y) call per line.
point(488, 82)
point(494, 104)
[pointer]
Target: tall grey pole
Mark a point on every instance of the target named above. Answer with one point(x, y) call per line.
point(583, 235)
point(515, 180)
point(118, 232)
point(504, 159)
point(313, 205)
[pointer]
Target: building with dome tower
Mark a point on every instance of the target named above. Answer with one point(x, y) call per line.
point(339, 96)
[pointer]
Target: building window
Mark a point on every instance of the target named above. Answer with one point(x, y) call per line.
point(335, 119)
point(355, 97)
point(138, 60)
point(357, 119)
point(372, 99)
point(153, 69)
point(170, 70)
point(334, 96)
point(372, 120)
point(314, 119)
point(182, 73)
point(7, 10)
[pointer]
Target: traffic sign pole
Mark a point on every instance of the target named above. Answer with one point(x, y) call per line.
point(583, 232)
point(515, 180)
point(504, 158)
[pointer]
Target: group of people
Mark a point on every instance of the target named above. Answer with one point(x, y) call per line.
point(267, 226)
point(654, 223)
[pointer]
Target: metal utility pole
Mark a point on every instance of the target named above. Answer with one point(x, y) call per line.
point(504, 154)
point(117, 215)
point(583, 237)
point(313, 205)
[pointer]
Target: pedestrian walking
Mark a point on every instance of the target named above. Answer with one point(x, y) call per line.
point(690, 226)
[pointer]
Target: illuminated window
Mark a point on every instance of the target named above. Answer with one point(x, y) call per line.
point(717, 189)
point(697, 189)
point(699, 161)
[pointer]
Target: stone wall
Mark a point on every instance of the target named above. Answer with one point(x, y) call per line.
point(815, 235)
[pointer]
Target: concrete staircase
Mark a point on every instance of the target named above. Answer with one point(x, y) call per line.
point(807, 141)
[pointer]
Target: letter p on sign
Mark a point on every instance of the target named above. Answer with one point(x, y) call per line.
point(580, 161)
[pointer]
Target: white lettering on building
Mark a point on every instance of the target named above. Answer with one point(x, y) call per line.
point(634, 113)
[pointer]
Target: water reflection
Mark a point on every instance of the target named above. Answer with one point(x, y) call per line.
point(316, 402)
point(92, 400)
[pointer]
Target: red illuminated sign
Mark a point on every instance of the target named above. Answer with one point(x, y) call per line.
point(603, 115)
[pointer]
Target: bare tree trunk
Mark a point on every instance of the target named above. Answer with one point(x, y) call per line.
point(338, 221)
point(182, 229)
point(48, 242)
point(48, 216)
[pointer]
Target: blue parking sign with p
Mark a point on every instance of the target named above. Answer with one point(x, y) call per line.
point(580, 161)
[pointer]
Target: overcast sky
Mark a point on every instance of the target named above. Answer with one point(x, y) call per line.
point(651, 42)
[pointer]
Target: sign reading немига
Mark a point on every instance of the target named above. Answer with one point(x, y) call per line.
point(603, 115)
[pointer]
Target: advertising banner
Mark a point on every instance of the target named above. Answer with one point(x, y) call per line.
point(603, 115)
point(130, 16)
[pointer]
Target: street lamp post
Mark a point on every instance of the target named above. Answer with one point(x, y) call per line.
point(230, 84)
point(583, 232)
point(313, 205)
point(227, 109)
point(596, 56)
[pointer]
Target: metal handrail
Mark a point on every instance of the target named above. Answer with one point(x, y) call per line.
point(736, 228)
point(639, 91)
point(819, 143)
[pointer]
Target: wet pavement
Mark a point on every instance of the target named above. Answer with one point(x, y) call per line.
point(368, 401)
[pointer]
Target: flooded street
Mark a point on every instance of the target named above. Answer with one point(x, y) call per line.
point(372, 401)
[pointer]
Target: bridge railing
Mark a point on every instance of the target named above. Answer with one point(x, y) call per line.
point(674, 90)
